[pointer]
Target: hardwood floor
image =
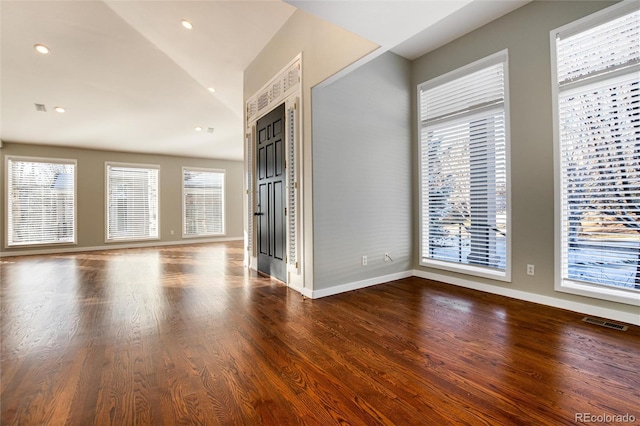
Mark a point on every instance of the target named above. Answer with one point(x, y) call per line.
point(186, 335)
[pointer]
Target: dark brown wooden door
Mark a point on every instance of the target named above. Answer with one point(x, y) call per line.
point(271, 194)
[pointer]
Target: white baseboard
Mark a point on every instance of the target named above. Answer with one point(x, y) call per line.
point(359, 284)
point(303, 291)
point(76, 249)
point(582, 308)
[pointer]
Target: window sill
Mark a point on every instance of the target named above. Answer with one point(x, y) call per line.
point(476, 271)
point(204, 235)
point(127, 240)
point(620, 295)
point(61, 243)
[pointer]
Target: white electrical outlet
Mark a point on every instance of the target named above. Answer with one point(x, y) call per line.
point(364, 260)
point(531, 269)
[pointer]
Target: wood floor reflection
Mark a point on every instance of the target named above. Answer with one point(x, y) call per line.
point(186, 335)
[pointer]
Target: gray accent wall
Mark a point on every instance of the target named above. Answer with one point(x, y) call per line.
point(362, 173)
point(90, 195)
point(525, 33)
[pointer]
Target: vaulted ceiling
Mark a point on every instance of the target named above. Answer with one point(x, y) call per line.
point(131, 77)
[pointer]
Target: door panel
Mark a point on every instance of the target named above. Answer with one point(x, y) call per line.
point(271, 194)
point(262, 163)
point(277, 127)
point(279, 158)
point(270, 160)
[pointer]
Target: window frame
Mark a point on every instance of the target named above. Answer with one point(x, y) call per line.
point(474, 270)
point(582, 288)
point(45, 160)
point(224, 201)
point(106, 198)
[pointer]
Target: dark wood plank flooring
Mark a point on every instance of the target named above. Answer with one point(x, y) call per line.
point(186, 335)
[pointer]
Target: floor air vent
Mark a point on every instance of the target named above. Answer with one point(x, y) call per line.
point(603, 323)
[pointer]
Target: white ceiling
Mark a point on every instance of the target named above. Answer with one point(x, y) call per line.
point(387, 23)
point(131, 78)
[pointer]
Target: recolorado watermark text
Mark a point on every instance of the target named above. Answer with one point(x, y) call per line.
point(604, 418)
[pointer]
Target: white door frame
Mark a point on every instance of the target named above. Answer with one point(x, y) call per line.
point(285, 87)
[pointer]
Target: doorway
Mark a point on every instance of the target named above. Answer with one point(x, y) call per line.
point(270, 207)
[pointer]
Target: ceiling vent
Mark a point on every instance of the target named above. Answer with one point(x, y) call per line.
point(210, 130)
point(41, 107)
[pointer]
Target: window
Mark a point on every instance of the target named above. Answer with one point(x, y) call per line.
point(202, 202)
point(132, 202)
point(41, 201)
point(464, 170)
point(597, 139)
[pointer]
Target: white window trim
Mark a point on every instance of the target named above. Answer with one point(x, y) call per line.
point(620, 295)
point(75, 198)
point(478, 271)
point(224, 202)
point(106, 200)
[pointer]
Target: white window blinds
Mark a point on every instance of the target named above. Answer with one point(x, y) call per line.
point(41, 201)
point(132, 202)
point(600, 49)
point(464, 167)
point(598, 116)
point(203, 202)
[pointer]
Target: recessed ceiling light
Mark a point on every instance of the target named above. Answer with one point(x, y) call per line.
point(188, 25)
point(41, 48)
point(212, 90)
point(58, 109)
point(198, 129)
